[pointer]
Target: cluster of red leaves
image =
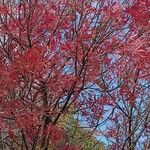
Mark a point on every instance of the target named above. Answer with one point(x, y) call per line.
point(140, 11)
point(116, 13)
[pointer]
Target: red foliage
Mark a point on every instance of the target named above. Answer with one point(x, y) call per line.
point(84, 58)
point(140, 11)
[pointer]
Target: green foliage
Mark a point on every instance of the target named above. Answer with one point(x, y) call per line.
point(77, 135)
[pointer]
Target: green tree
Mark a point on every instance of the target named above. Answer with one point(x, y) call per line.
point(80, 136)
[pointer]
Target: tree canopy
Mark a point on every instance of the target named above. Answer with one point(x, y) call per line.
point(88, 59)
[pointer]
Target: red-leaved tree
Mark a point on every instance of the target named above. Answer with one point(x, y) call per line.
point(85, 58)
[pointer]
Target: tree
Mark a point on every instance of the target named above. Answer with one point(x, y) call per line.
point(87, 58)
point(78, 135)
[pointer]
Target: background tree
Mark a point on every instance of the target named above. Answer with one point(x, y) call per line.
point(78, 135)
